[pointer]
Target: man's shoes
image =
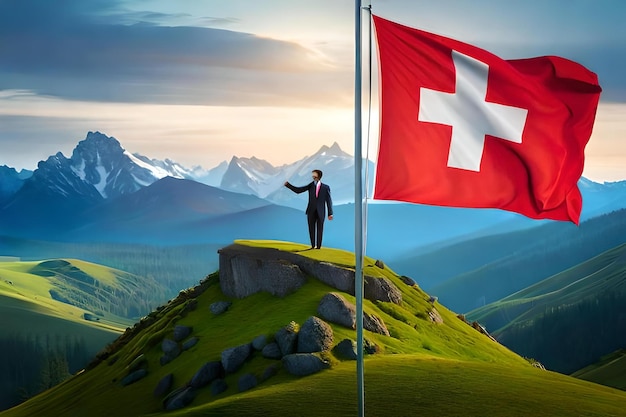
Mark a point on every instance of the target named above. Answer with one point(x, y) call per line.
point(319, 247)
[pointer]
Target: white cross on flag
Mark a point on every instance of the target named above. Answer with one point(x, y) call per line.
point(461, 127)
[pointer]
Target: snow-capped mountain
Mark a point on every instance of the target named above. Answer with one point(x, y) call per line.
point(260, 178)
point(338, 172)
point(250, 176)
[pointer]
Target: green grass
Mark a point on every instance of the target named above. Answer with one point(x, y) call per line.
point(422, 369)
point(610, 370)
point(600, 275)
point(24, 287)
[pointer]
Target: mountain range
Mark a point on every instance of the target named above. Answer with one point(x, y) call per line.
point(104, 193)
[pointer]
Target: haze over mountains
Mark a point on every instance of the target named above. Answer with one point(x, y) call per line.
point(104, 193)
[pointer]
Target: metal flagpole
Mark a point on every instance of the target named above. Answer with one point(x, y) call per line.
point(358, 211)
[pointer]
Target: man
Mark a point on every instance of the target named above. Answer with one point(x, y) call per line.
point(319, 199)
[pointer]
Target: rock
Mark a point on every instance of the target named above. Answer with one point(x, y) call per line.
point(246, 382)
point(245, 270)
point(233, 358)
point(218, 386)
point(179, 398)
point(315, 335)
point(408, 281)
point(242, 275)
point(169, 347)
point(346, 349)
point(259, 342)
point(370, 347)
point(379, 264)
point(381, 289)
point(164, 385)
point(219, 307)
point(287, 338)
point(374, 324)
point(302, 364)
point(271, 351)
point(339, 278)
point(336, 309)
point(190, 343)
point(435, 317)
point(433, 299)
point(133, 377)
point(181, 332)
point(209, 372)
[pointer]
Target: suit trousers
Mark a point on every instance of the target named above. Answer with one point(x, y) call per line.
point(316, 228)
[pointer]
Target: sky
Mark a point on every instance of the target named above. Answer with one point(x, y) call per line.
point(198, 81)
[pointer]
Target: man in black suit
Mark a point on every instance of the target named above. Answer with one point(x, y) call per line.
point(319, 199)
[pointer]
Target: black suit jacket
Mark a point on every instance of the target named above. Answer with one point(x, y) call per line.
point(318, 203)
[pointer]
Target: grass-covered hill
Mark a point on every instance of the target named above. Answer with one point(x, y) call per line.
point(610, 370)
point(424, 366)
point(55, 315)
point(569, 320)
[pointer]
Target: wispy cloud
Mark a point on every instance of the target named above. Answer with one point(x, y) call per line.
point(65, 49)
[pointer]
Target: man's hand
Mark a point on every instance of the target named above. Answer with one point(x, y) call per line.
point(286, 182)
point(330, 217)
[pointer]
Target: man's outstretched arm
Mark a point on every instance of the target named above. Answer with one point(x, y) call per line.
point(296, 189)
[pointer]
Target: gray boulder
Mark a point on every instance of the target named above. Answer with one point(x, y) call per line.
point(206, 374)
point(381, 289)
point(346, 349)
point(190, 343)
point(259, 342)
point(408, 281)
point(242, 275)
point(302, 364)
point(287, 338)
point(315, 335)
point(170, 349)
point(133, 377)
point(164, 385)
point(271, 351)
point(246, 382)
point(179, 398)
point(336, 309)
point(233, 358)
point(337, 277)
point(181, 332)
point(374, 324)
point(219, 307)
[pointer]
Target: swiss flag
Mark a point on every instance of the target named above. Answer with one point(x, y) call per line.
point(461, 127)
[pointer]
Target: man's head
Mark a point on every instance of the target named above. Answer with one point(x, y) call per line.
point(316, 174)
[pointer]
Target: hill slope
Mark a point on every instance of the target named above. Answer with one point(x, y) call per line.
point(422, 367)
point(566, 321)
point(610, 370)
point(55, 316)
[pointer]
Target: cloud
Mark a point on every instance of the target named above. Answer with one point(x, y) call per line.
point(65, 49)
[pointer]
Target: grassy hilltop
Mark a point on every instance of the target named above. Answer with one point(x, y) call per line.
point(422, 368)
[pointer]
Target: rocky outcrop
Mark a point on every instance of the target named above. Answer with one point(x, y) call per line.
point(302, 364)
point(336, 309)
point(315, 336)
point(233, 358)
point(246, 270)
point(242, 275)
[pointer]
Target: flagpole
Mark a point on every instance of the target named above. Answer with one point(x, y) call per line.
point(358, 211)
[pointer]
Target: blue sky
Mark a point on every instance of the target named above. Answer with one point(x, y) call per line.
point(198, 81)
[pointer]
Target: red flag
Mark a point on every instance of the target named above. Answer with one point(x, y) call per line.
point(461, 127)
